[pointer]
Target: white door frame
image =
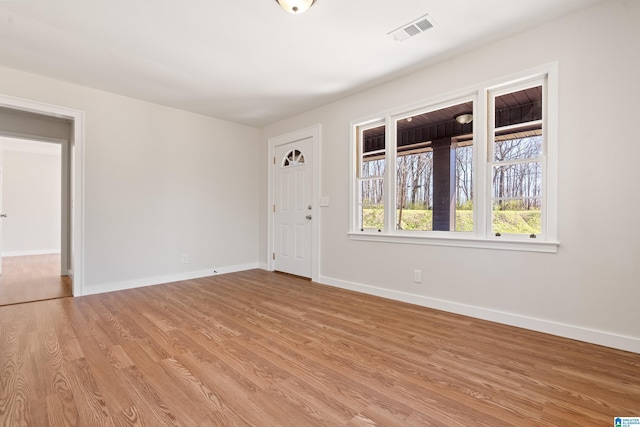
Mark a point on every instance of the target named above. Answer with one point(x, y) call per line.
point(313, 132)
point(76, 199)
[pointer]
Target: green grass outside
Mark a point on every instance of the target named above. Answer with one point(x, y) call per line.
point(518, 222)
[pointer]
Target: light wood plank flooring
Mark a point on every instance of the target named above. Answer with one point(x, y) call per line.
point(266, 349)
point(32, 278)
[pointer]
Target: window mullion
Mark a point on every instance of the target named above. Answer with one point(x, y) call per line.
point(390, 176)
point(482, 200)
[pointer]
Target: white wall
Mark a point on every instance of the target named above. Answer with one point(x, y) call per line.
point(31, 197)
point(159, 183)
point(590, 289)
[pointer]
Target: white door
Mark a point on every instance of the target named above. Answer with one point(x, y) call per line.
point(293, 208)
point(2, 215)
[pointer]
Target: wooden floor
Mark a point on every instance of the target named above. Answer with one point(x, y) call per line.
point(32, 278)
point(266, 349)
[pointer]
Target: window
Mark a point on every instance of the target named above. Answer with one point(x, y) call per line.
point(516, 159)
point(434, 170)
point(476, 169)
point(370, 179)
point(293, 158)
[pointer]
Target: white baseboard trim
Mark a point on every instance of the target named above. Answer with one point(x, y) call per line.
point(263, 266)
point(158, 280)
point(31, 252)
point(607, 339)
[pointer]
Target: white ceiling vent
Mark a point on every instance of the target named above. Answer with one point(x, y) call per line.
point(411, 29)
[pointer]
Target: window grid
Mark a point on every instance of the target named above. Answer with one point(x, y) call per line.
point(516, 165)
point(370, 180)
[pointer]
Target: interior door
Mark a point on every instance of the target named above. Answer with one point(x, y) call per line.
point(2, 215)
point(293, 207)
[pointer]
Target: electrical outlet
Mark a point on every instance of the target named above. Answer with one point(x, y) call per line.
point(417, 276)
point(185, 258)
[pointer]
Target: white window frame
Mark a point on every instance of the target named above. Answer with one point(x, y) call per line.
point(357, 165)
point(481, 237)
point(425, 109)
point(492, 94)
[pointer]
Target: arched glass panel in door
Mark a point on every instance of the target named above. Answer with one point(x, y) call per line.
point(293, 158)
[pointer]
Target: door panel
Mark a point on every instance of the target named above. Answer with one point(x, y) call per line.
point(1, 214)
point(293, 207)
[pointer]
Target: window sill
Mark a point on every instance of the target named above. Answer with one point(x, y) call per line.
point(460, 242)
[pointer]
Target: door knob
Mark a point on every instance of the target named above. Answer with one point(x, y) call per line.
point(308, 217)
point(3, 215)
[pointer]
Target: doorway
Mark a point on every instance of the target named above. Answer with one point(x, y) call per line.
point(32, 120)
point(31, 200)
point(294, 190)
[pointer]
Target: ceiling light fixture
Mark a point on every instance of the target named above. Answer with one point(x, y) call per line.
point(464, 119)
point(296, 6)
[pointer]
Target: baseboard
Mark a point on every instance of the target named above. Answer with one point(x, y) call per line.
point(158, 280)
point(31, 252)
point(263, 266)
point(607, 339)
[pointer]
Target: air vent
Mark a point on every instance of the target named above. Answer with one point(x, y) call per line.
point(412, 29)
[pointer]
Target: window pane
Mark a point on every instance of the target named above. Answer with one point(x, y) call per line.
point(506, 149)
point(373, 140)
point(464, 188)
point(372, 168)
point(434, 170)
point(372, 216)
point(372, 152)
point(517, 180)
point(522, 106)
point(414, 193)
point(371, 201)
point(518, 125)
point(415, 180)
point(518, 216)
point(293, 158)
point(371, 191)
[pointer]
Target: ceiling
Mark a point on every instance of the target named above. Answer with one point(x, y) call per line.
point(249, 61)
